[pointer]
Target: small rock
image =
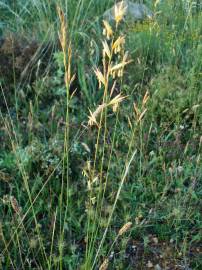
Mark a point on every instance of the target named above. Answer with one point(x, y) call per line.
point(133, 12)
point(171, 241)
point(157, 267)
point(155, 240)
point(149, 264)
point(179, 169)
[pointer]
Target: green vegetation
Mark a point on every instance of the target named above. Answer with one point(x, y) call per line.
point(100, 149)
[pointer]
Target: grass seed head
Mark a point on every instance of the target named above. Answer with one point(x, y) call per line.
point(119, 12)
point(15, 205)
point(106, 49)
point(145, 98)
point(100, 77)
point(104, 265)
point(125, 228)
point(118, 43)
point(107, 31)
point(116, 101)
point(92, 118)
point(62, 33)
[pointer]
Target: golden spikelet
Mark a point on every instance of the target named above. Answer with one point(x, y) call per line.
point(141, 115)
point(119, 12)
point(92, 118)
point(104, 265)
point(107, 31)
point(118, 42)
point(125, 228)
point(119, 66)
point(100, 77)
point(145, 98)
point(115, 102)
point(106, 50)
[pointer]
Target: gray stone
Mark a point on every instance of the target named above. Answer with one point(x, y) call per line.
point(133, 12)
point(157, 267)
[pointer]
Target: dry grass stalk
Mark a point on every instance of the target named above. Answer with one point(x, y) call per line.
point(63, 31)
point(4, 176)
point(141, 112)
point(114, 61)
point(1, 230)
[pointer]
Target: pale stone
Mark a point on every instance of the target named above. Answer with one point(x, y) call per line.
point(149, 264)
point(133, 12)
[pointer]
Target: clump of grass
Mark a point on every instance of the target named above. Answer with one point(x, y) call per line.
point(124, 148)
point(114, 61)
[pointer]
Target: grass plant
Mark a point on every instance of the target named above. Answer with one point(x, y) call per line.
point(100, 144)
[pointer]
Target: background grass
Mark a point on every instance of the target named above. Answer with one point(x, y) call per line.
point(47, 223)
